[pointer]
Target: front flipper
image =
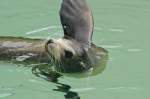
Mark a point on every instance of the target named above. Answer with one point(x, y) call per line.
point(77, 21)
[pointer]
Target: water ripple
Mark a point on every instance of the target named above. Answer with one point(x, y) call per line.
point(116, 30)
point(6, 92)
point(43, 29)
point(112, 46)
point(3, 95)
point(134, 50)
point(83, 89)
point(121, 88)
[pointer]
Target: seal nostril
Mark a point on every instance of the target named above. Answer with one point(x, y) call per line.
point(50, 41)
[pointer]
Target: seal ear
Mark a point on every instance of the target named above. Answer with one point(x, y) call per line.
point(77, 21)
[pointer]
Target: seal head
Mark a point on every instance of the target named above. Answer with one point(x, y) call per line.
point(67, 55)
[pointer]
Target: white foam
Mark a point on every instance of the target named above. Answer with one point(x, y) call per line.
point(22, 58)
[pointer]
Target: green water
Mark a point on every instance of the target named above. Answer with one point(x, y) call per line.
point(121, 26)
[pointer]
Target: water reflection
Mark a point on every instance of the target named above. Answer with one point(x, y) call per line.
point(53, 76)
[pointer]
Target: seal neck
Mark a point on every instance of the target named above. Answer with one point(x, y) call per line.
point(85, 45)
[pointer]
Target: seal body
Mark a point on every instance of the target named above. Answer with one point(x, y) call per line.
point(23, 50)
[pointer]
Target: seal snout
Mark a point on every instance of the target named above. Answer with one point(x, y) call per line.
point(50, 44)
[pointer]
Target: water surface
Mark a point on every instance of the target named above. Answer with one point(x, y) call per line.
point(121, 26)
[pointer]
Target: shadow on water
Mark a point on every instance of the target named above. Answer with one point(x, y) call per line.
point(49, 74)
point(53, 76)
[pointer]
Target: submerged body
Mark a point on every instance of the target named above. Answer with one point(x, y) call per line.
point(23, 50)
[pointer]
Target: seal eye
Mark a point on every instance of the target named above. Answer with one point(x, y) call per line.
point(68, 54)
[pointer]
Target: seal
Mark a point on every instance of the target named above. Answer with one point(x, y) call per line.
point(75, 52)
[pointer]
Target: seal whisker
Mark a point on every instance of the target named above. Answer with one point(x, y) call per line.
point(62, 66)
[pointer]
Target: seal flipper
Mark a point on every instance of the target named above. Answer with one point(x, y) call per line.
point(77, 21)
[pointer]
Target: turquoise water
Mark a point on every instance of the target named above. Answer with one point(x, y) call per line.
point(121, 26)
